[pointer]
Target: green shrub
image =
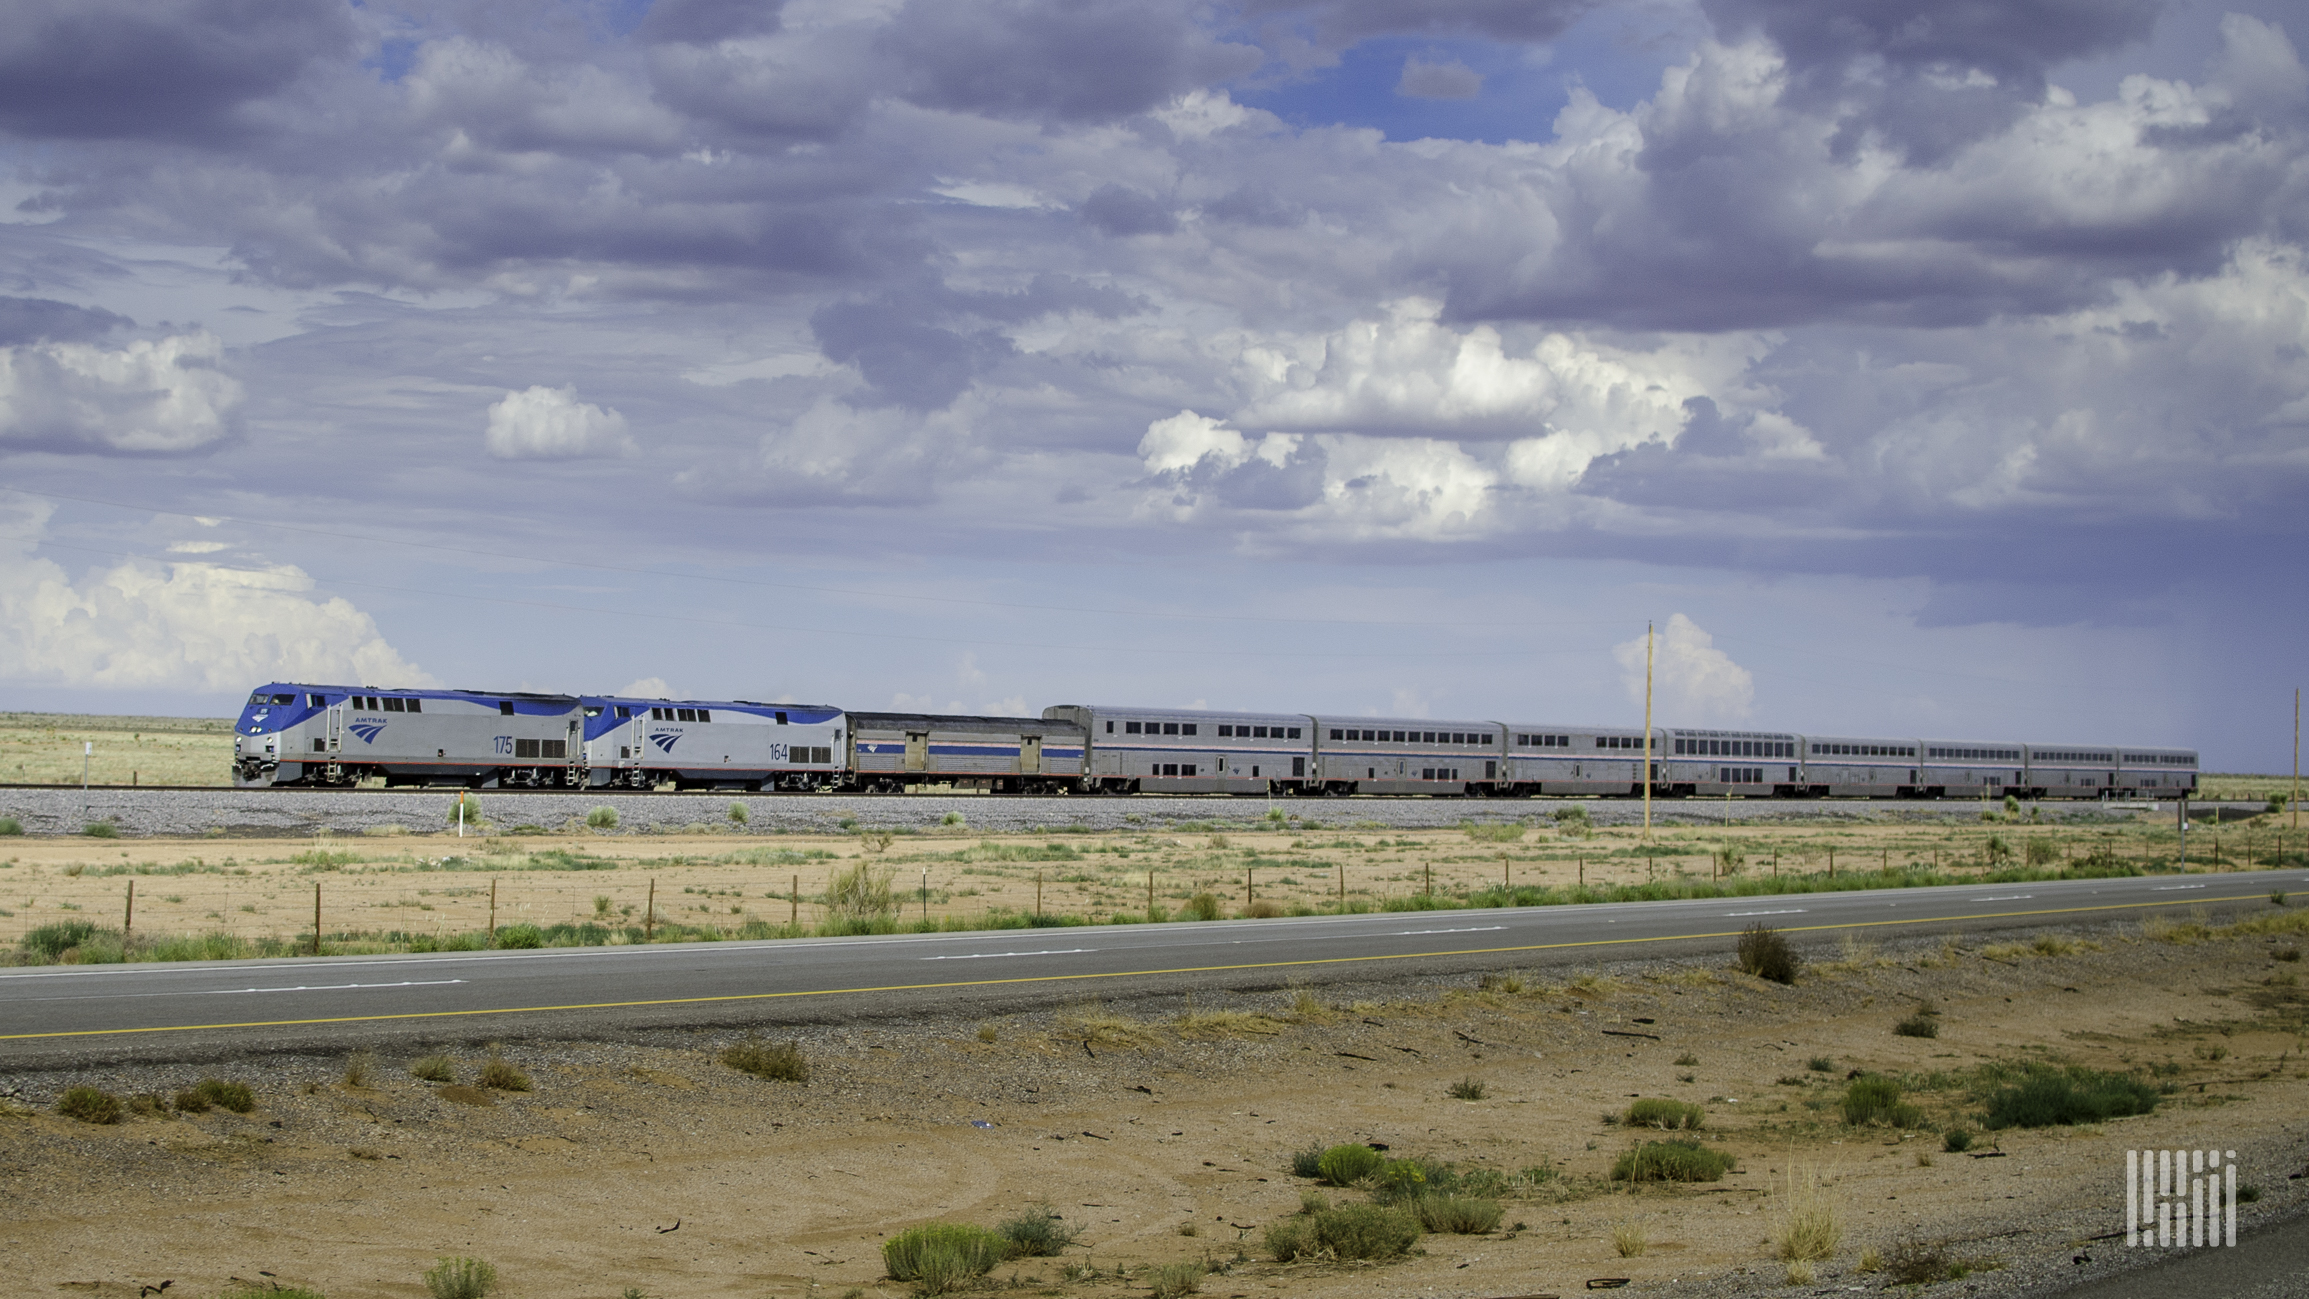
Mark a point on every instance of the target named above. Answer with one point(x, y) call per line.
point(1175, 1280)
point(1467, 1089)
point(10, 825)
point(943, 1256)
point(1661, 1112)
point(1459, 1215)
point(738, 814)
point(460, 1278)
point(50, 942)
point(1678, 1159)
point(1348, 1232)
point(2049, 1096)
point(1203, 906)
point(1874, 1098)
point(1765, 953)
point(1956, 1140)
point(101, 830)
point(1345, 1165)
point(1821, 1064)
point(234, 1096)
point(433, 1068)
point(602, 818)
point(514, 937)
point(951, 818)
point(859, 893)
point(469, 807)
point(192, 1102)
point(1037, 1233)
point(1921, 1024)
point(89, 1105)
point(780, 1062)
point(2042, 852)
point(1495, 833)
point(1308, 1162)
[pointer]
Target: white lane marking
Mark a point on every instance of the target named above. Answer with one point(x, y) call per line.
point(1792, 911)
point(2003, 897)
point(328, 987)
point(983, 956)
point(2174, 888)
point(1477, 929)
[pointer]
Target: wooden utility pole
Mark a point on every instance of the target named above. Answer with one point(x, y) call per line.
point(2296, 800)
point(1647, 732)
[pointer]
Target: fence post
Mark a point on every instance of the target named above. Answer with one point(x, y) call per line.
point(1038, 893)
point(317, 916)
point(492, 914)
point(128, 921)
point(794, 912)
point(1150, 893)
point(648, 913)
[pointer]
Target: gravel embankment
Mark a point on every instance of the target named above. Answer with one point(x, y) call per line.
point(191, 813)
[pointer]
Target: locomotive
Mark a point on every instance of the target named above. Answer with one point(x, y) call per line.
point(298, 734)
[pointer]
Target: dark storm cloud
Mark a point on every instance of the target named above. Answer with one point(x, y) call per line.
point(1343, 22)
point(40, 320)
point(1121, 210)
point(1066, 60)
point(155, 69)
point(1929, 76)
point(793, 93)
point(703, 22)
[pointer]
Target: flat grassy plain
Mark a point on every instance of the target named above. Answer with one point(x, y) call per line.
point(226, 898)
point(45, 749)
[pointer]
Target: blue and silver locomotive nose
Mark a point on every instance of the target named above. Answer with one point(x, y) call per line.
point(257, 734)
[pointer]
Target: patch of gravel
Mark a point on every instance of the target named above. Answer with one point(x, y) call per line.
point(296, 812)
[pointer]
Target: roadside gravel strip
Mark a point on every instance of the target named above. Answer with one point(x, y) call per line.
point(294, 812)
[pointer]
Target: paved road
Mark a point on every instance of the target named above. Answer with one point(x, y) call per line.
point(2272, 1263)
point(147, 1010)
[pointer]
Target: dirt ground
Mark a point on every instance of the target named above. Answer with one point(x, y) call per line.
point(378, 893)
point(1164, 1131)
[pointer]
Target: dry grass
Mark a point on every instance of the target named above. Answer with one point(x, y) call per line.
point(499, 1075)
point(1630, 1239)
point(1809, 1225)
point(779, 1062)
point(433, 1068)
point(1095, 1024)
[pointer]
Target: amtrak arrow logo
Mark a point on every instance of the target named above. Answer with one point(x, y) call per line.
point(368, 731)
point(665, 739)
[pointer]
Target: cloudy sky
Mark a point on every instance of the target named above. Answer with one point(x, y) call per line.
point(1919, 368)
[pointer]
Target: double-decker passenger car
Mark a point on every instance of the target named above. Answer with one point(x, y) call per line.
point(1552, 758)
point(1189, 751)
point(1714, 763)
point(1406, 755)
point(1859, 766)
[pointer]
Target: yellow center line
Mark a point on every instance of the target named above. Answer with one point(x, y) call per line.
point(1114, 974)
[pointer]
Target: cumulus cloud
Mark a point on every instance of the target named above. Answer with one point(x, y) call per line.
point(1693, 682)
point(649, 688)
point(541, 423)
point(182, 626)
point(150, 397)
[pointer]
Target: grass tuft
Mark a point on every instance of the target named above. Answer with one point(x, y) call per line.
point(1766, 953)
point(460, 1278)
point(1173, 1280)
point(1037, 1233)
point(498, 1074)
point(89, 1105)
point(2048, 1096)
point(1810, 1228)
point(1468, 1089)
point(779, 1062)
point(942, 1257)
point(234, 1096)
point(1351, 1231)
point(360, 1068)
point(1875, 1099)
point(1630, 1239)
point(1458, 1215)
point(602, 818)
point(433, 1068)
point(1678, 1159)
point(1663, 1113)
point(1349, 1163)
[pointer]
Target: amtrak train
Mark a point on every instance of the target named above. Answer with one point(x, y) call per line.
point(295, 734)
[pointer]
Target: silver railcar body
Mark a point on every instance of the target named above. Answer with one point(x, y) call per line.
point(292, 733)
point(1552, 758)
point(890, 752)
point(1862, 766)
point(1191, 751)
point(2072, 770)
point(1408, 755)
point(2156, 773)
point(712, 744)
point(1972, 768)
